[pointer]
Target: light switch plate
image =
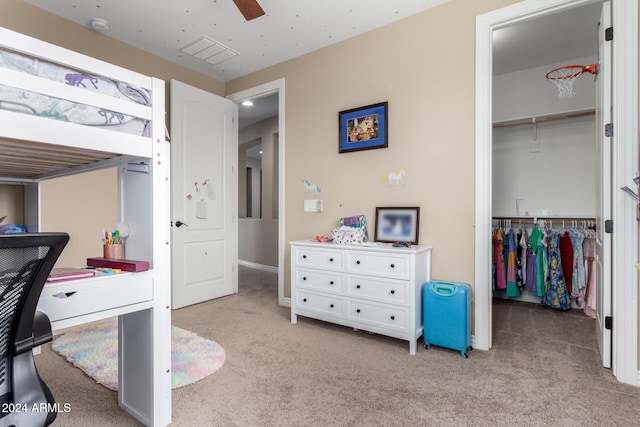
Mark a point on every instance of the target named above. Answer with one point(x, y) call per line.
point(313, 205)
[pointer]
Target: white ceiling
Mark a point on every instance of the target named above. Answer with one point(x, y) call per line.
point(296, 27)
point(287, 30)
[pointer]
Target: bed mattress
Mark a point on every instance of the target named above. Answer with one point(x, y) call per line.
point(30, 102)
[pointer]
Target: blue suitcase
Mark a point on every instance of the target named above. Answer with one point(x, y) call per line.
point(446, 315)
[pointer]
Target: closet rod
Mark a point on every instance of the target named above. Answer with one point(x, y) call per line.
point(557, 219)
point(547, 218)
point(539, 119)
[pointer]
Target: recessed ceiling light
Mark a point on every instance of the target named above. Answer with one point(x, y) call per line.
point(247, 103)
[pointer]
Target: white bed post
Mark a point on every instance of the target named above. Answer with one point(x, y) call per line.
point(145, 340)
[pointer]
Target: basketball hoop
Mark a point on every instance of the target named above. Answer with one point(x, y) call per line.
point(564, 77)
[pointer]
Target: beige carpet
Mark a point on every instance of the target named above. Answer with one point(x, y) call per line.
point(542, 371)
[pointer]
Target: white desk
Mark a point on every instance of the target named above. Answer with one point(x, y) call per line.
point(144, 333)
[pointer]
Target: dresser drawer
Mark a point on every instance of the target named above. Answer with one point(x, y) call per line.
point(382, 316)
point(319, 258)
point(385, 265)
point(318, 280)
point(390, 291)
point(319, 303)
point(80, 297)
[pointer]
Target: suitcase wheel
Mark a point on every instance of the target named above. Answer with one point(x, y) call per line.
point(463, 353)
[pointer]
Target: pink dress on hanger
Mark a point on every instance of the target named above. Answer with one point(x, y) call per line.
point(589, 251)
point(498, 259)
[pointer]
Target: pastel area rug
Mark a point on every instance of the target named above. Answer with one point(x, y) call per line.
point(94, 349)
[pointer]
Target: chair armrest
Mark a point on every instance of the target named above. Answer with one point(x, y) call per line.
point(41, 334)
point(41, 329)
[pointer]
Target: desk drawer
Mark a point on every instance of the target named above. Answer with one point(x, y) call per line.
point(80, 297)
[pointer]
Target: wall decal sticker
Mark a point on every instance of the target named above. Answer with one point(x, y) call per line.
point(310, 187)
point(393, 178)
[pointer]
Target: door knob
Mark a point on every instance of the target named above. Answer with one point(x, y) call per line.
point(180, 224)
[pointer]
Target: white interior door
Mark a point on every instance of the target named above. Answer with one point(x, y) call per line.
point(204, 195)
point(603, 189)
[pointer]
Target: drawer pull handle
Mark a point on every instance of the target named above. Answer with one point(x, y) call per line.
point(393, 317)
point(304, 278)
point(357, 262)
point(304, 257)
point(331, 282)
point(392, 292)
point(63, 295)
point(357, 286)
point(358, 311)
point(393, 266)
point(331, 306)
point(304, 300)
point(330, 259)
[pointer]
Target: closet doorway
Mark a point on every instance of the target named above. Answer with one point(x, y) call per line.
point(262, 228)
point(547, 144)
point(624, 155)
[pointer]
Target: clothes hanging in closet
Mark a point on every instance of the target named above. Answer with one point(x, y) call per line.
point(556, 295)
point(554, 265)
point(500, 280)
point(512, 288)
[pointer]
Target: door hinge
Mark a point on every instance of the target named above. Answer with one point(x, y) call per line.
point(608, 322)
point(608, 34)
point(608, 130)
point(608, 226)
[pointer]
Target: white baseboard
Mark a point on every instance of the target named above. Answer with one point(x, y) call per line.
point(250, 264)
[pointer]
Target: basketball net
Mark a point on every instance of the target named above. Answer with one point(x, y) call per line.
point(564, 77)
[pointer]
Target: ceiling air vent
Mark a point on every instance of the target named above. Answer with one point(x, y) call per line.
point(208, 51)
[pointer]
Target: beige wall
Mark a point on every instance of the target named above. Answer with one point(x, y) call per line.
point(83, 204)
point(83, 207)
point(11, 204)
point(424, 66)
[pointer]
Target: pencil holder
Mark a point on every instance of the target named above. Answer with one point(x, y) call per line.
point(113, 251)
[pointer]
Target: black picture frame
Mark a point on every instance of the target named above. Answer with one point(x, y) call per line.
point(397, 224)
point(363, 128)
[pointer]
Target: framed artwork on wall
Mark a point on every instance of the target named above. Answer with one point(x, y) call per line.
point(363, 128)
point(397, 224)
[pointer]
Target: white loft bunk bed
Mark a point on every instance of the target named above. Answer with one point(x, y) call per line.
point(35, 147)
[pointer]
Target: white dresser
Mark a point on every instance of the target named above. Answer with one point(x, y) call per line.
point(373, 288)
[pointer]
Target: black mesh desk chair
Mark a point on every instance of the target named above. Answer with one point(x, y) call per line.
point(25, 262)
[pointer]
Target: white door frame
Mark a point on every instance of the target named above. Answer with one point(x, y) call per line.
point(625, 166)
point(276, 86)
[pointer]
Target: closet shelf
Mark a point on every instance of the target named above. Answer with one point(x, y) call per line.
point(545, 118)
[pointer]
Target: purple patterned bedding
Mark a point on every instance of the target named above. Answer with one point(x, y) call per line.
point(24, 101)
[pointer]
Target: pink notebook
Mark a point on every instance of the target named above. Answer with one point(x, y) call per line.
point(61, 274)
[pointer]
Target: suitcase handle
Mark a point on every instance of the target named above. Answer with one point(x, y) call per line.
point(444, 289)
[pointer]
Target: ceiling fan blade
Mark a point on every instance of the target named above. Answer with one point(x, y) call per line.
point(250, 9)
